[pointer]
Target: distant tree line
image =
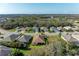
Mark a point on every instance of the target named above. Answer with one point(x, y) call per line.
point(31, 21)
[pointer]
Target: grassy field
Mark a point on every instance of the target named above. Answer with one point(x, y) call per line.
point(28, 52)
point(12, 30)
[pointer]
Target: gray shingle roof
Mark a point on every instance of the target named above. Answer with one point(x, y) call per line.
point(25, 38)
point(16, 36)
point(4, 51)
point(11, 36)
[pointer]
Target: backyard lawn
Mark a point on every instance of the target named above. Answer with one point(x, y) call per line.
point(28, 52)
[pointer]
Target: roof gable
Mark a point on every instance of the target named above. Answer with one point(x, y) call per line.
point(38, 39)
point(25, 38)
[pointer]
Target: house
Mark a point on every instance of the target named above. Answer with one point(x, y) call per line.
point(54, 29)
point(44, 29)
point(38, 39)
point(75, 28)
point(4, 51)
point(36, 29)
point(52, 17)
point(2, 20)
point(51, 29)
point(11, 36)
point(67, 27)
point(72, 37)
point(59, 28)
point(18, 37)
point(25, 38)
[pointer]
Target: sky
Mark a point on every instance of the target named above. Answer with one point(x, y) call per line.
point(39, 8)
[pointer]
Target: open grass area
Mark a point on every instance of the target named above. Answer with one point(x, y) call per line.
point(53, 38)
point(32, 48)
point(29, 32)
point(12, 30)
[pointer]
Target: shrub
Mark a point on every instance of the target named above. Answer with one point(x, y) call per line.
point(16, 52)
point(13, 44)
